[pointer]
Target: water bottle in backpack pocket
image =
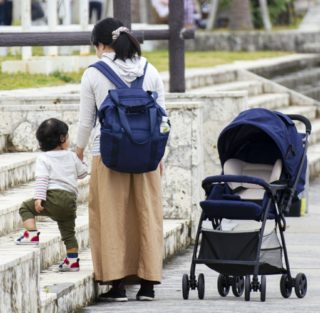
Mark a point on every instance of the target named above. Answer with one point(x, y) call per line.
point(134, 128)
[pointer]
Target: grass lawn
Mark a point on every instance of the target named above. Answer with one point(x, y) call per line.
point(158, 58)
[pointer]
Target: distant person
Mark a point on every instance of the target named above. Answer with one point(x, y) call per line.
point(95, 6)
point(189, 14)
point(64, 12)
point(57, 171)
point(161, 8)
point(37, 13)
point(6, 12)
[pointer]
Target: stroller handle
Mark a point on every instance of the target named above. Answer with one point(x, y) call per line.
point(304, 120)
point(271, 188)
point(206, 183)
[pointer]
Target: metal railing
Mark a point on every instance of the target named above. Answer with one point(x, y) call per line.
point(176, 35)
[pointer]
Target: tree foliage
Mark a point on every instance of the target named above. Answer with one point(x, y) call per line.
point(281, 11)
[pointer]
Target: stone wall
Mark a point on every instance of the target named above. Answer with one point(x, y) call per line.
point(191, 155)
point(19, 281)
point(290, 40)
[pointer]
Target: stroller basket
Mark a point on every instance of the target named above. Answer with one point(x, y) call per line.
point(235, 253)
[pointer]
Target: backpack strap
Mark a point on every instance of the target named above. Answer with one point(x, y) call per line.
point(137, 83)
point(108, 72)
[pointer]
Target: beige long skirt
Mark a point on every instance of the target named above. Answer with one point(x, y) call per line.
point(125, 224)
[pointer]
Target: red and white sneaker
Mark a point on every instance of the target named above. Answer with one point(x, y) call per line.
point(69, 265)
point(28, 238)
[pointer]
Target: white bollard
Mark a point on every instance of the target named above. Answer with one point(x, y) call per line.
point(52, 14)
point(26, 26)
point(84, 22)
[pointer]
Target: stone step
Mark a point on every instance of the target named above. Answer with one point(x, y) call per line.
point(253, 87)
point(302, 77)
point(59, 296)
point(271, 101)
point(315, 133)
point(11, 200)
point(314, 160)
point(202, 77)
point(309, 112)
point(20, 283)
point(51, 247)
point(60, 292)
point(312, 92)
point(16, 168)
point(51, 99)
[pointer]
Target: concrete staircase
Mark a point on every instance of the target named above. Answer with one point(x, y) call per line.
point(29, 281)
point(300, 72)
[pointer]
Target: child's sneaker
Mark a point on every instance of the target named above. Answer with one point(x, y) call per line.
point(28, 238)
point(69, 265)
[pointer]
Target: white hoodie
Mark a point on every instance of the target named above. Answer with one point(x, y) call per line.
point(95, 87)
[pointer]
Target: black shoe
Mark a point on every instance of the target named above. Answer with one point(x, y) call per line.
point(145, 294)
point(114, 295)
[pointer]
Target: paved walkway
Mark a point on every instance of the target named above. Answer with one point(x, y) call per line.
point(303, 241)
point(311, 21)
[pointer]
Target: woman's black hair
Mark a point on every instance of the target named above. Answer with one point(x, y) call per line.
point(51, 133)
point(126, 46)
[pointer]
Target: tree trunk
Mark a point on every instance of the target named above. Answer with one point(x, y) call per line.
point(240, 15)
point(265, 14)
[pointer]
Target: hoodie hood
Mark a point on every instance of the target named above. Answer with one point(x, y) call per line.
point(128, 70)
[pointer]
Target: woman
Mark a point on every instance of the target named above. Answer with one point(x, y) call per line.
point(125, 210)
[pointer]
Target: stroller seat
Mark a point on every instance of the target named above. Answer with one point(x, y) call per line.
point(241, 200)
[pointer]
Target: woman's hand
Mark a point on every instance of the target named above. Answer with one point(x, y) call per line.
point(79, 153)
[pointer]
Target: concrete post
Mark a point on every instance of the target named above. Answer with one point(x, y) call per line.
point(26, 25)
point(84, 22)
point(52, 13)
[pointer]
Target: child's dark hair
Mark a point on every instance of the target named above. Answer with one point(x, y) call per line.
point(126, 46)
point(51, 133)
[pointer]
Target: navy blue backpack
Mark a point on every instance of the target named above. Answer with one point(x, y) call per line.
point(130, 119)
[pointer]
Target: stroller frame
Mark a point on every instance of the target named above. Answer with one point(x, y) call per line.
point(238, 283)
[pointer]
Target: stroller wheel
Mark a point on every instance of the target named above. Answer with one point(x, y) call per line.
point(300, 286)
point(200, 286)
point(263, 288)
point(247, 288)
point(223, 285)
point(185, 286)
point(238, 285)
point(285, 286)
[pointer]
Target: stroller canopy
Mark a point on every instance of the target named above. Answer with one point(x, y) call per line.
point(262, 136)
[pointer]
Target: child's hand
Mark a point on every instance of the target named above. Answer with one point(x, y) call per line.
point(37, 205)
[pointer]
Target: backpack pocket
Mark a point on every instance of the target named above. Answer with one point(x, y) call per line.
point(109, 147)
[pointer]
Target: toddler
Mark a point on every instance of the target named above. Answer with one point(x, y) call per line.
point(57, 171)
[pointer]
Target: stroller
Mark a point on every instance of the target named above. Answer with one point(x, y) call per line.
point(264, 164)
